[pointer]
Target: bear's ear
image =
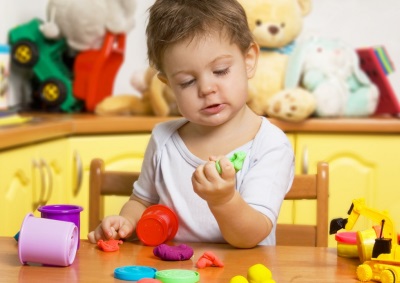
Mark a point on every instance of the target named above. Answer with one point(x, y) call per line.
point(305, 6)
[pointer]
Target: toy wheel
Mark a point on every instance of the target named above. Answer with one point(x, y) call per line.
point(52, 92)
point(387, 276)
point(24, 54)
point(364, 272)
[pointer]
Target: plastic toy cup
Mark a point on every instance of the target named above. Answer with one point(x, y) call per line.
point(47, 241)
point(347, 244)
point(157, 225)
point(63, 212)
point(365, 243)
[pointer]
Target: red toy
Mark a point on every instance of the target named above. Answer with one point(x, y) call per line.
point(110, 245)
point(95, 70)
point(209, 259)
point(376, 63)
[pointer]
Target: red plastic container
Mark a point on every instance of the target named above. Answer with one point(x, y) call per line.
point(157, 225)
point(95, 70)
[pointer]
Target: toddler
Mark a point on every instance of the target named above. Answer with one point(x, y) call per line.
point(204, 51)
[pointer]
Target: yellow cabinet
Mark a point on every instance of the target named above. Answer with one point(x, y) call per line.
point(360, 165)
point(31, 176)
point(119, 152)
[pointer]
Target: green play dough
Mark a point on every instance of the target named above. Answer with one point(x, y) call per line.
point(237, 160)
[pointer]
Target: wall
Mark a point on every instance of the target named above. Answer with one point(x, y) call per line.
point(358, 22)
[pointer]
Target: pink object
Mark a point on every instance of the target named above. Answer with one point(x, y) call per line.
point(157, 225)
point(173, 253)
point(63, 212)
point(47, 241)
point(346, 237)
point(209, 259)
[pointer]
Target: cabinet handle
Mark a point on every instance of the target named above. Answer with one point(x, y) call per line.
point(304, 160)
point(79, 172)
point(37, 166)
point(49, 174)
point(22, 177)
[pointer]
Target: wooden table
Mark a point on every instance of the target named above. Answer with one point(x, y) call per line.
point(288, 264)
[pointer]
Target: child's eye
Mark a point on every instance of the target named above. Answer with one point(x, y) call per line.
point(186, 84)
point(222, 72)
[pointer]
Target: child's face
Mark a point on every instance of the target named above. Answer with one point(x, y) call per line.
point(209, 77)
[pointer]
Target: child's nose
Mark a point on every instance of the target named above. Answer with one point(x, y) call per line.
point(207, 87)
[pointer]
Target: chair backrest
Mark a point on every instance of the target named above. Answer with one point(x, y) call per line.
point(105, 182)
point(312, 186)
point(308, 187)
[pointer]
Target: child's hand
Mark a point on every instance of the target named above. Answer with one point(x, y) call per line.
point(112, 227)
point(211, 186)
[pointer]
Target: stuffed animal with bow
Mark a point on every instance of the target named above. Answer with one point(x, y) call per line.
point(275, 25)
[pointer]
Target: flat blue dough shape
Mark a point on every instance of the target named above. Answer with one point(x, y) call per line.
point(134, 272)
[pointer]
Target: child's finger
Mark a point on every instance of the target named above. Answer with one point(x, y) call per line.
point(227, 169)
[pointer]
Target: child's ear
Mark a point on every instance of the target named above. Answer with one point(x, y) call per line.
point(162, 78)
point(251, 59)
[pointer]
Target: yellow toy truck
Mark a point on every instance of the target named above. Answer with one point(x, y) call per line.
point(384, 265)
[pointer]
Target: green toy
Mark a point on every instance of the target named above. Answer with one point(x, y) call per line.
point(237, 160)
point(44, 57)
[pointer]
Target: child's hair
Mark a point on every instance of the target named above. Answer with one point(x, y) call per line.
point(172, 21)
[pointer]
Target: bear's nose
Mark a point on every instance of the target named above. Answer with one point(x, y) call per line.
point(273, 30)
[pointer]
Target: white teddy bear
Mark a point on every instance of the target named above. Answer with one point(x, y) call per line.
point(330, 70)
point(84, 22)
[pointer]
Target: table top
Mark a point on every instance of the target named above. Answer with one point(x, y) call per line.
point(287, 264)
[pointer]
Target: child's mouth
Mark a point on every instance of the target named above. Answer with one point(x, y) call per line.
point(214, 109)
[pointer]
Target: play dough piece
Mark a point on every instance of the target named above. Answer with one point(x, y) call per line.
point(209, 259)
point(173, 253)
point(237, 161)
point(109, 245)
point(134, 272)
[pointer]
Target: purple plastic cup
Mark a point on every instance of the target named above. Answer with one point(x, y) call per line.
point(63, 212)
point(47, 241)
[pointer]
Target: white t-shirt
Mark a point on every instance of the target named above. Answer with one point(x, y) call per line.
point(167, 169)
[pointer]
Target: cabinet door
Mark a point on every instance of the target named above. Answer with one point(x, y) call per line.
point(119, 152)
point(28, 180)
point(17, 190)
point(52, 157)
point(361, 166)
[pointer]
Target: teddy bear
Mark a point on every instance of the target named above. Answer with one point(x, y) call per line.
point(83, 23)
point(291, 104)
point(330, 69)
point(275, 25)
point(155, 98)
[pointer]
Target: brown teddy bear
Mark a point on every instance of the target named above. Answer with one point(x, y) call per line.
point(156, 98)
point(275, 25)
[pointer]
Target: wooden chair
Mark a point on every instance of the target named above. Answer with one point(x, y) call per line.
point(311, 186)
point(308, 187)
point(103, 183)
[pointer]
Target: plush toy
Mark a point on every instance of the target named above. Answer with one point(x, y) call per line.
point(292, 105)
point(155, 98)
point(329, 69)
point(275, 25)
point(83, 23)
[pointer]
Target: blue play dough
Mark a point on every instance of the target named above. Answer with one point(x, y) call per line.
point(134, 272)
